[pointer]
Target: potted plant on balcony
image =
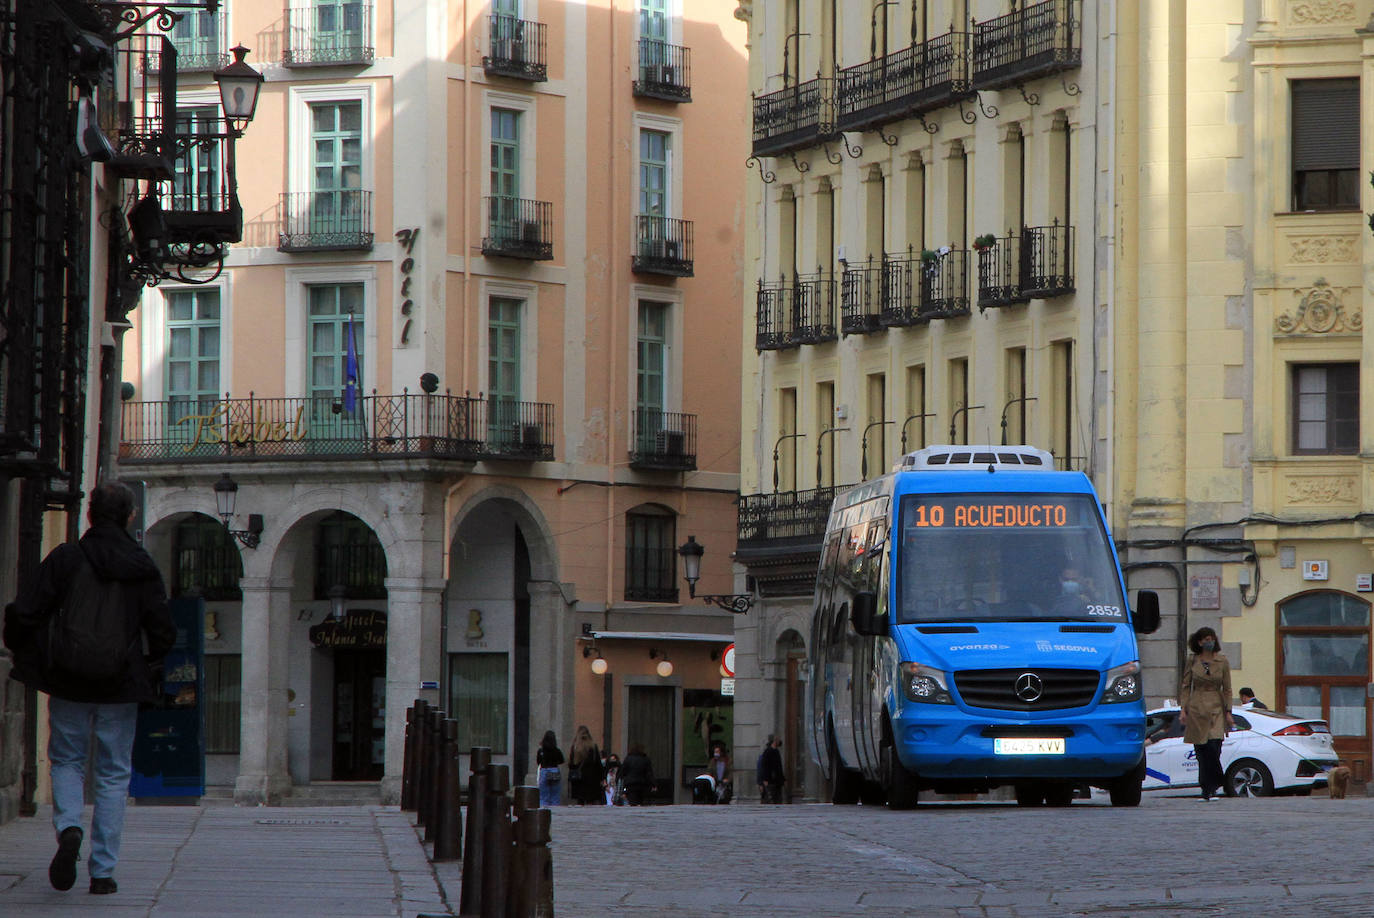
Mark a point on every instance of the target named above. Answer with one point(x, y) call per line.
point(985, 241)
point(929, 256)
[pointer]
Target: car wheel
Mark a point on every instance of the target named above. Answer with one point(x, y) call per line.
point(1249, 778)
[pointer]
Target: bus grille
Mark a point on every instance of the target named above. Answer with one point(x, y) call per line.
point(996, 688)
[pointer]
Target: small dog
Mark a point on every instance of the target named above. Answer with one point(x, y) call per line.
point(1337, 780)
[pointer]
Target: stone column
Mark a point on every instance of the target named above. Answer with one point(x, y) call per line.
point(414, 654)
point(263, 774)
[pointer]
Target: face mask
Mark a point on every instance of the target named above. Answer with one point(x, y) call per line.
point(1070, 586)
point(1208, 645)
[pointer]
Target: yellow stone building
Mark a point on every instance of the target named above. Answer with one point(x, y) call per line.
point(1238, 295)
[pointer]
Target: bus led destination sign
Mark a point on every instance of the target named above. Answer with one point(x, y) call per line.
point(995, 513)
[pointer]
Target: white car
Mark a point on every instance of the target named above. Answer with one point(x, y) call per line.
point(1267, 753)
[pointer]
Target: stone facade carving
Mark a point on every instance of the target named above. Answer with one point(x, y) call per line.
point(1321, 311)
point(1323, 250)
point(744, 10)
point(1321, 12)
point(1323, 489)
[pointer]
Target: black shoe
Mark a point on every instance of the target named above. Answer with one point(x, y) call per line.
point(62, 870)
point(103, 886)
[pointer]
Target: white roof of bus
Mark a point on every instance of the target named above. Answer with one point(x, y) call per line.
point(964, 457)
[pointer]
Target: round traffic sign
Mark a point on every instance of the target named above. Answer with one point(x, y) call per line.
point(727, 662)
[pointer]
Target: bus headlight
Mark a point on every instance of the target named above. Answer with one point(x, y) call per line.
point(1123, 683)
point(925, 684)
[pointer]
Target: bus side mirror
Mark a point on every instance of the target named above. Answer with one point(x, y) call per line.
point(1146, 617)
point(863, 614)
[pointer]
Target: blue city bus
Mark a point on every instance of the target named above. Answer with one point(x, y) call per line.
point(970, 631)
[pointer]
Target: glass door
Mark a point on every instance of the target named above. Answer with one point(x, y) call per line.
point(650, 376)
point(503, 373)
point(337, 168)
point(192, 383)
point(505, 175)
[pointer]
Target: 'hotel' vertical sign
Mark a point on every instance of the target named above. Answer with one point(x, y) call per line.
point(407, 238)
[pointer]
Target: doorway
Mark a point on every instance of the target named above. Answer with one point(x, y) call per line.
point(359, 715)
point(650, 723)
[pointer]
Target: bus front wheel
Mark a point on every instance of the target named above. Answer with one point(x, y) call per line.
point(1126, 790)
point(898, 782)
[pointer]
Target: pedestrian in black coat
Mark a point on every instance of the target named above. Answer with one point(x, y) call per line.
point(636, 775)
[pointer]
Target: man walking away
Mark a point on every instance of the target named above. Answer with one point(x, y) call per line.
point(771, 773)
point(79, 634)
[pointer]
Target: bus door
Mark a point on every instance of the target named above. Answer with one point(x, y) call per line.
point(822, 650)
point(868, 682)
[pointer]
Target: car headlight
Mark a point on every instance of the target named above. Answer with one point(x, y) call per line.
point(1123, 683)
point(925, 684)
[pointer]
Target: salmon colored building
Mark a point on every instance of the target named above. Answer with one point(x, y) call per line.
point(517, 226)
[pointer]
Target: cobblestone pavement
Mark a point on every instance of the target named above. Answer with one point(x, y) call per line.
point(1173, 856)
point(1293, 857)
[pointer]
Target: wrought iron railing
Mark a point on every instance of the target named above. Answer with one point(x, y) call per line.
point(649, 575)
point(1048, 262)
point(198, 206)
point(211, 571)
point(861, 300)
point(319, 34)
point(795, 117)
point(796, 312)
point(944, 284)
point(663, 245)
point(664, 440)
point(785, 518)
point(908, 82)
point(143, 126)
point(1001, 268)
point(517, 49)
point(358, 567)
point(325, 221)
point(213, 430)
point(518, 228)
point(1034, 41)
point(901, 300)
point(517, 430)
point(665, 71)
point(196, 53)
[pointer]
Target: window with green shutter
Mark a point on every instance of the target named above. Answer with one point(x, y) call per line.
point(196, 182)
point(503, 369)
point(330, 306)
point(336, 138)
point(193, 355)
point(651, 357)
point(654, 150)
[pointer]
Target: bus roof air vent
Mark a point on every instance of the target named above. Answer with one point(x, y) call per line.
point(966, 458)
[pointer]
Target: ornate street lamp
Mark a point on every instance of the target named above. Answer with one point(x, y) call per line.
point(691, 552)
point(238, 91)
point(226, 495)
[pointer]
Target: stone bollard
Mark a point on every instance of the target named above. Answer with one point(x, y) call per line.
point(448, 837)
point(524, 801)
point(471, 900)
point(408, 765)
point(422, 777)
point(436, 758)
point(536, 870)
point(496, 839)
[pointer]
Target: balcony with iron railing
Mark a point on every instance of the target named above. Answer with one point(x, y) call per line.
point(901, 293)
point(1048, 262)
point(1036, 40)
point(326, 221)
point(795, 117)
point(517, 49)
point(943, 284)
point(359, 567)
point(325, 34)
point(794, 312)
point(518, 228)
point(1001, 270)
point(664, 440)
point(143, 126)
point(861, 298)
point(663, 245)
point(521, 431)
point(785, 521)
point(665, 71)
point(302, 428)
point(198, 205)
point(203, 53)
point(909, 82)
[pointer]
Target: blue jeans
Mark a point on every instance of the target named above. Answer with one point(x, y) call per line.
point(71, 724)
point(550, 787)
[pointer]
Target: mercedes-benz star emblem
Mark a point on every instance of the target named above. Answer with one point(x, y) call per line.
point(1029, 688)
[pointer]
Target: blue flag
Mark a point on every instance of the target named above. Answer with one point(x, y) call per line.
point(350, 393)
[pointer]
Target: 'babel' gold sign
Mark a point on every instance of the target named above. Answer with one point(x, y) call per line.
point(257, 430)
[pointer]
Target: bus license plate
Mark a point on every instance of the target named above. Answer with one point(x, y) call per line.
point(1028, 745)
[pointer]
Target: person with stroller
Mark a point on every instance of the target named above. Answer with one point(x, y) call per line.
point(615, 794)
point(637, 775)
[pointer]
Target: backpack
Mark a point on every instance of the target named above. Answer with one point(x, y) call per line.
point(87, 638)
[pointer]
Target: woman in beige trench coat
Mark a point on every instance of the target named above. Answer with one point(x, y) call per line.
point(1204, 700)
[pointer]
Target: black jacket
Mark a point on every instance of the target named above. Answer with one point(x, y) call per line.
point(115, 555)
point(636, 771)
point(770, 766)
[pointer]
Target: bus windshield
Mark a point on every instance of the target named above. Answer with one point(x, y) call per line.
point(1005, 557)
